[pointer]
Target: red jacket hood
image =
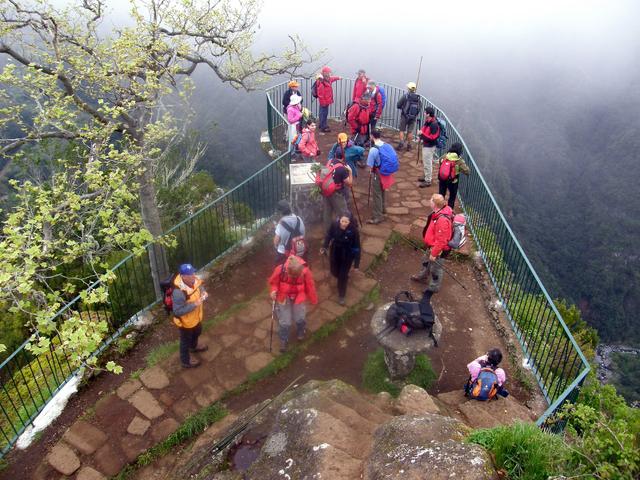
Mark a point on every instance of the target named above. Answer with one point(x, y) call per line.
point(446, 210)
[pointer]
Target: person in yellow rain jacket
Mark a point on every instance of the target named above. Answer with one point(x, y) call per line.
point(188, 296)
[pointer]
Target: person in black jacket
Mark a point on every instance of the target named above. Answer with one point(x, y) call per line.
point(292, 90)
point(343, 239)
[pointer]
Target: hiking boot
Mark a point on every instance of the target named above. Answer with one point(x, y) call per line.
point(409, 146)
point(424, 184)
point(400, 146)
point(191, 364)
point(341, 301)
point(421, 179)
point(374, 221)
point(283, 347)
point(201, 348)
point(301, 334)
point(326, 129)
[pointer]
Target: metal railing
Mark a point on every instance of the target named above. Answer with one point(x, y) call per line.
point(551, 351)
point(27, 382)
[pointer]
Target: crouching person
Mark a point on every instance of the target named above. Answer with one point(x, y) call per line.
point(486, 379)
point(188, 296)
point(291, 285)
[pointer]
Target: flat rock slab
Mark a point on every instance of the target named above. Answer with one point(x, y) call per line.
point(373, 245)
point(415, 400)
point(500, 411)
point(146, 404)
point(109, 460)
point(63, 459)
point(208, 394)
point(154, 378)
point(85, 437)
point(229, 339)
point(164, 429)
point(184, 407)
point(397, 210)
point(194, 377)
point(214, 350)
point(402, 228)
point(128, 388)
point(88, 473)
point(259, 360)
point(258, 310)
point(412, 204)
point(333, 308)
point(138, 426)
point(379, 230)
point(132, 446)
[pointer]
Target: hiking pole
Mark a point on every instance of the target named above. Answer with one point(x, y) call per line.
point(273, 315)
point(369, 190)
point(353, 196)
point(419, 68)
point(436, 261)
point(418, 155)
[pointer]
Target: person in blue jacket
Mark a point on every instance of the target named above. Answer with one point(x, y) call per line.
point(353, 152)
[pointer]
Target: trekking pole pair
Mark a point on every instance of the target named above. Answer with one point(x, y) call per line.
point(417, 247)
point(273, 316)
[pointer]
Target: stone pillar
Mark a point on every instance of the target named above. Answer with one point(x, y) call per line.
point(399, 350)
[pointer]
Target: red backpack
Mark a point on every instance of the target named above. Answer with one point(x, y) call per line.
point(324, 179)
point(447, 170)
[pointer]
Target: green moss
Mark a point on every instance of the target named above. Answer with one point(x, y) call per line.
point(161, 352)
point(375, 376)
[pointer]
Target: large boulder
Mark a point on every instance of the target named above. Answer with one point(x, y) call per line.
point(416, 447)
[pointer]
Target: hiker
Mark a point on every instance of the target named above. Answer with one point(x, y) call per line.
point(308, 146)
point(383, 163)
point(358, 119)
point(375, 105)
point(429, 134)
point(188, 296)
point(450, 168)
point(486, 379)
point(292, 90)
point(436, 236)
point(345, 148)
point(291, 285)
point(409, 106)
point(294, 115)
point(324, 91)
point(289, 227)
point(334, 179)
point(343, 241)
point(359, 85)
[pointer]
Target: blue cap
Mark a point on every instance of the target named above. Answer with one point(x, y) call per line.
point(187, 269)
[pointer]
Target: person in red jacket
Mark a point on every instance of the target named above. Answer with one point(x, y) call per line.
point(429, 134)
point(360, 85)
point(358, 119)
point(325, 95)
point(437, 234)
point(375, 105)
point(291, 285)
point(308, 145)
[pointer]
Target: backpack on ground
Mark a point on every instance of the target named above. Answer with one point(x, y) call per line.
point(441, 141)
point(314, 89)
point(458, 237)
point(485, 387)
point(324, 179)
point(447, 170)
point(383, 95)
point(411, 108)
point(388, 159)
point(295, 244)
point(410, 315)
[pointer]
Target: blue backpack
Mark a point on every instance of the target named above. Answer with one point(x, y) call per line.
point(441, 141)
point(485, 386)
point(383, 94)
point(388, 159)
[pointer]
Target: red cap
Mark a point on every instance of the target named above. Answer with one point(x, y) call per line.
point(326, 70)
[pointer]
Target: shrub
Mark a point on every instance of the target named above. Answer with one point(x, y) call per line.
point(523, 451)
point(375, 377)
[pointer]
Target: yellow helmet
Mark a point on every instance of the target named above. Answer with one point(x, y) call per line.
point(411, 85)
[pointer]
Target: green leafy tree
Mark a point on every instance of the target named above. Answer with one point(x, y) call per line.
point(105, 94)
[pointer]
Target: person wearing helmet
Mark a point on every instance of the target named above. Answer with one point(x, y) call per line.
point(325, 96)
point(188, 297)
point(409, 106)
point(293, 89)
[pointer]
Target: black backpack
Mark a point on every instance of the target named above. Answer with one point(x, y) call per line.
point(411, 108)
point(314, 89)
point(295, 243)
point(410, 315)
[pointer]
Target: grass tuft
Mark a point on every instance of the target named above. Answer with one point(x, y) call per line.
point(161, 352)
point(375, 376)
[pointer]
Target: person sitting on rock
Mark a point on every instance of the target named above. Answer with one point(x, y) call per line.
point(486, 379)
point(291, 285)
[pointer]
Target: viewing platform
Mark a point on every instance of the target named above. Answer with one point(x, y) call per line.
point(116, 418)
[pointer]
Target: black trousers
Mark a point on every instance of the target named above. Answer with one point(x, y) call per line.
point(188, 341)
point(453, 191)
